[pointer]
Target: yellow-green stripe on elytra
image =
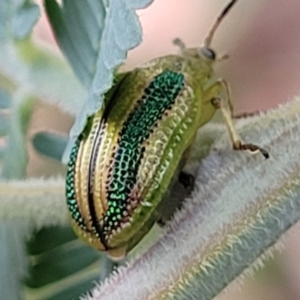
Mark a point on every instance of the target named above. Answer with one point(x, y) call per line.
point(123, 162)
point(130, 151)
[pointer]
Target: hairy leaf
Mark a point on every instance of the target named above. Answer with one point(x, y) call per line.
point(4, 124)
point(24, 19)
point(58, 263)
point(15, 157)
point(5, 99)
point(95, 38)
point(241, 205)
point(17, 18)
point(50, 144)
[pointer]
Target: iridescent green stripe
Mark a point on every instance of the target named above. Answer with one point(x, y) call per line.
point(158, 97)
point(70, 187)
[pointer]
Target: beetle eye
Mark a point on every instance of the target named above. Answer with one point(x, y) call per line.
point(208, 53)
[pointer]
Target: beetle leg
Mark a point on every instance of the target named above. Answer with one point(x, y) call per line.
point(220, 96)
point(160, 222)
point(227, 90)
point(234, 136)
point(179, 43)
point(246, 114)
point(186, 179)
point(222, 57)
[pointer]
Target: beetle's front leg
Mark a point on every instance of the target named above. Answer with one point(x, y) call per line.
point(223, 101)
point(180, 44)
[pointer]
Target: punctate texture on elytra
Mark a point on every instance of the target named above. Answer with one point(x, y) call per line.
point(126, 157)
point(132, 150)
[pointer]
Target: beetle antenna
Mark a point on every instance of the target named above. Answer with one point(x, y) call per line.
point(207, 41)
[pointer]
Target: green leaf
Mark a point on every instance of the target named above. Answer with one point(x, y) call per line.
point(78, 28)
point(36, 67)
point(13, 260)
point(24, 20)
point(17, 19)
point(5, 99)
point(2, 151)
point(15, 157)
point(48, 238)
point(7, 9)
point(50, 144)
point(64, 280)
point(122, 32)
point(138, 4)
point(44, 75)
point(76, 290)
point(4, 124)
point(59, 263)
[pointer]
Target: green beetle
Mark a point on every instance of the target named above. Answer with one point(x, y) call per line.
point(130, 151)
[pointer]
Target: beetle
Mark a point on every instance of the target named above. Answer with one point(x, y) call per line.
point(133, 148)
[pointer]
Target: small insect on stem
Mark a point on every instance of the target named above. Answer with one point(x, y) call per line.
point(134, 148)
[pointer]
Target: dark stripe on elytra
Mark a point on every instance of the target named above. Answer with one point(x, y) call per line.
point(98, 230)
point(158, 97)
point(96, 223)
point(70, 186)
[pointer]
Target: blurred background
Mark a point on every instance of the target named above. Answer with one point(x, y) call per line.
point(262, 38)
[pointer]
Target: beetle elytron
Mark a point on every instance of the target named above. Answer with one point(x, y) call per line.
point(123, 162)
